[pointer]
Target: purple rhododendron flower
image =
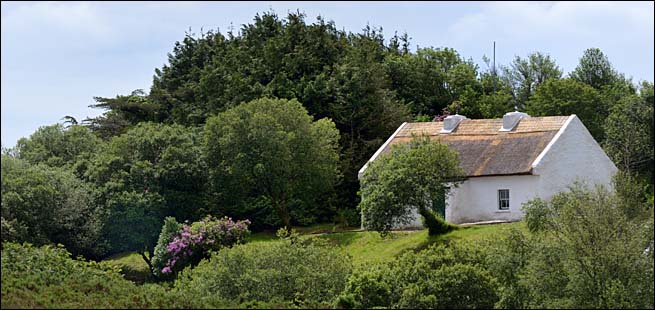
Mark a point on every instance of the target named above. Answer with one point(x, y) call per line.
point(200, 237)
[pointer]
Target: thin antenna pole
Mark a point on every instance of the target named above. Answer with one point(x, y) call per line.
point(494, 66)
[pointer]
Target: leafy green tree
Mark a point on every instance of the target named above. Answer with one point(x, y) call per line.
point(134, 221)
point(122, 113)
point(629, 131)
point(156, 158)
point(591, 254)
point(269, 151)
point(42, 205)
point(565, 97)
point(493, 105)
point(58, 146)
point(594, 69)
point(364, 109)
point(332, 73)
point(430, 79)
point(525, 74)
point(491, 99)
point(149, 172)
point(409, 178)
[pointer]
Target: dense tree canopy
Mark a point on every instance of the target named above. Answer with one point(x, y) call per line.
point(151, 157)
point(150, 172)
point(41, 204)
point(268, 155)
point(525, 74)
point(629, 130)
point(431, 79)
point(366, 86)
point(59, 146)
point(566, 97)
point(122, 112)
point(594, 69)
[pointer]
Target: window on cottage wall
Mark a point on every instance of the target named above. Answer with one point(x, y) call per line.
point(503, 199)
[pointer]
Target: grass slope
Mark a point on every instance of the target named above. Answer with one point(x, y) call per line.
point(132, 266)
point(369, 247)
point(363, 246)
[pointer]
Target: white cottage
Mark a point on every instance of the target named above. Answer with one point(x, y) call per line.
point(509, 161)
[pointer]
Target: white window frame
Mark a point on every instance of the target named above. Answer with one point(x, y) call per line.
point(502, 199)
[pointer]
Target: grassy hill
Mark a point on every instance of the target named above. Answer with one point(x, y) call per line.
point(369, 247)
point(363, 246)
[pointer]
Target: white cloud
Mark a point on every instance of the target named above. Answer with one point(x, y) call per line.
point(527, 19)
point(72, 20)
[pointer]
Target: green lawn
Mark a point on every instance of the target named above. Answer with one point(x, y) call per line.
point(366, 246)
point(132, 266)
point(363, 246)
point(304, 231)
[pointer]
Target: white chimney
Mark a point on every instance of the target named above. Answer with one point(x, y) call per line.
point(511, 119)
point(451, 122)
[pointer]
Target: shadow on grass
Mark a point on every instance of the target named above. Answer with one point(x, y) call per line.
point(445, 239)
point(341, 238)
point(133, 268)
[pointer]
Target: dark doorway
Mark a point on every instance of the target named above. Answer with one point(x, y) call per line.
point(439, 203)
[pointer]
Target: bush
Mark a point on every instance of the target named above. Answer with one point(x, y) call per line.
point(307, 275)
point(347, 217)
point(368, 288)
point(592, 250)
point(161, 255)
point(42, 205)
point(46, 277)
point(438, 277)
point(452, 287)
point(634, 193)
point(194, 242)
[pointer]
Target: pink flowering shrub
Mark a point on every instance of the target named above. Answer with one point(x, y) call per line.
point(195, 241)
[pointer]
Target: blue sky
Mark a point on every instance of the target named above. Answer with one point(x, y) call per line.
point(57, 56)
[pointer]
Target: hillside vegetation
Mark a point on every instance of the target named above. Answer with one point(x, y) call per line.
point(184, 195)
point(363, 247)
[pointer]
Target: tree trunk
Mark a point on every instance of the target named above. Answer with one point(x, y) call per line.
point(423, 211)
point(435, 225)
point(282, 212)
point(286, 219)
point(147, 260)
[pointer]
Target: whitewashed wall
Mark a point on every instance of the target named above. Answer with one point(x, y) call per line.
point(476, 199)
point(574, 155)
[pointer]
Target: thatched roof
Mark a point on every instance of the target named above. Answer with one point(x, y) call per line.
point(486, 151)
